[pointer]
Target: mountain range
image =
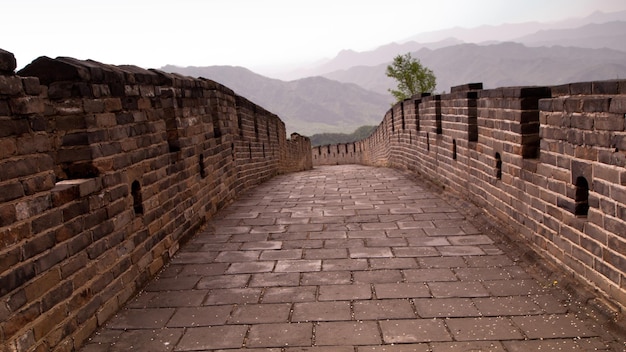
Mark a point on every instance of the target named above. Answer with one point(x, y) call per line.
point(351, 90)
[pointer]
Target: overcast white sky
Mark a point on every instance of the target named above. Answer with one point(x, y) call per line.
point(249, 33)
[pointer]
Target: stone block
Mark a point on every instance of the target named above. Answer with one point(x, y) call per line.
point(39, 183)
point(618, 105)
point(16, 277)
point(11, 85)
point(605, 87)
point(581, 169)
point(70, 155)
point(584, 122)
point(27, 105)
point(7, 63)
point(55, 70)
point(581, 88)
point(596, 104)
point(10, 191)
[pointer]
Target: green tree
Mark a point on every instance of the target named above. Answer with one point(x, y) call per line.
point(411, 76)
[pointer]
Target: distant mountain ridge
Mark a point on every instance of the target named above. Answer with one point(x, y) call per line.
point(307, 106)
point(611, 35)
point(498, 65)
point(351, 90)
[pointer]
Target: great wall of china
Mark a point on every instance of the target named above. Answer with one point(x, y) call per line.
point(105, 170)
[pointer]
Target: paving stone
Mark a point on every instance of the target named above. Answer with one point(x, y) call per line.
point(250, 237)
point(344, 292)
point(233, 230)
point(412, 224)
point(233, 295)
point(327, 235)
point(218, 247)
point(281, 254)
point(344, 243)
point(266, 229)
point(428, 241)
point(260, 313)
point(552, 326)
point(159, 340)
point(550, 304)
point(397, 218)
point(347, 333)
point(396, 348)
point(274, 279)
point(301, 244)
point(472, 240)
point(386, 242)
point(306, 227)
point(445, 307)
point(344, 264)
point(148, 318)
point(513, 287)
point(442, 262)
point(547, 345)
point(327, 278)
point(173, 283)
point(449, 251)
point(476, 274)
point(326, 253)
point(401, 290)
point(490, 261)
point(488, 328)
point(469, 346)
point(262, 245)
point(302, 265)
point(320, 349)
point(414, 252)
point(212, 269)
point(251, 267)
point(212, 337)
point(200, 316)
point(406, 233)
point(457, 289)
point(289, 294)
point(498, 306)
point(280, 335)
point(445, 231)
point(392, 263)
point(429, 275)
point(237, 256)
point(225, 281)
point(367, 234)
point(414, 330)
point(166, 299)
point(383, 309)
point(321, 311)
point(377, 276)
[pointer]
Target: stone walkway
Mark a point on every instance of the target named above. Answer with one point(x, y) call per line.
point(348, 258)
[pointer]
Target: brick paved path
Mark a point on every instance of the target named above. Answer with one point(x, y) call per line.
point(347, 258)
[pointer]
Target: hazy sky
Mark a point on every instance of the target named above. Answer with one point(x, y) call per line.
point(251, 33)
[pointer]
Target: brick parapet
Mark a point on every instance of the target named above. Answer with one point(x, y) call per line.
point(550, 161)
point(104, 170)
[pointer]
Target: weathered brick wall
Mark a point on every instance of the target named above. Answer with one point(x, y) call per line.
point(104, 170)
point(550, 161)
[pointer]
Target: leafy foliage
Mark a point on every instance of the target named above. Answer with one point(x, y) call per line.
point(411, 76)
point(337, 138)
